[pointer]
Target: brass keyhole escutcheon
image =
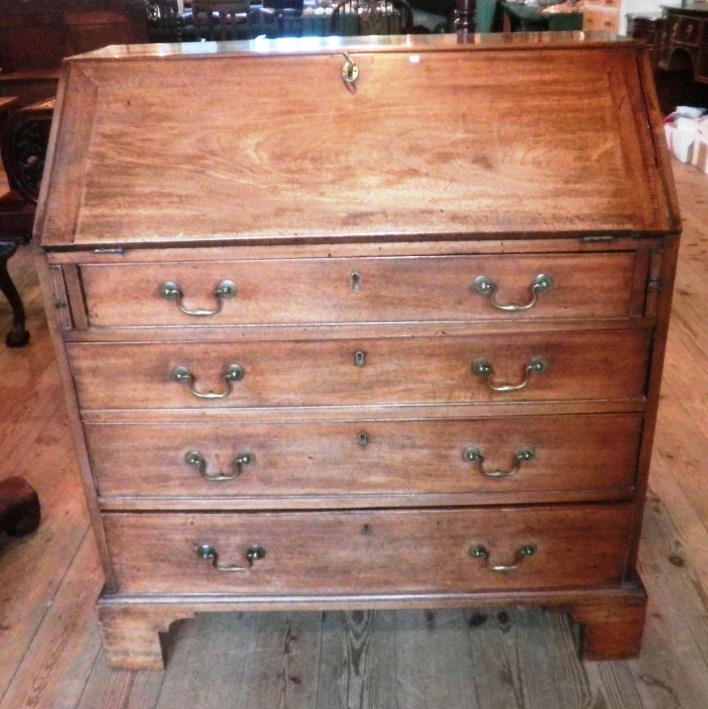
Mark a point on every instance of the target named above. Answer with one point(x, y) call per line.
point(350, 72)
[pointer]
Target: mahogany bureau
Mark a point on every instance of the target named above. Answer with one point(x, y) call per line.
point(363, 323)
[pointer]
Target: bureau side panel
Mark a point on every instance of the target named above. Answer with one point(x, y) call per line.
point(56, 319)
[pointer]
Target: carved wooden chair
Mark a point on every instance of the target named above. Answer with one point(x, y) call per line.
point(23, 140)
point(164, 22)
point(366, 17)
point(221, 21)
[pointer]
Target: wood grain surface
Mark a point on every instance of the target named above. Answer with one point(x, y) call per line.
point(364, 462)
point(315, 160)
point(300, 291)
point(305, 660)
point(587, 365)
point(369, 552)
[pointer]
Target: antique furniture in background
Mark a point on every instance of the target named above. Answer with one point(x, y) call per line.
point(612, 15)
point(649, 28)
point(320, 353)
point(92, 30)
point(164, 21)
point(220, 20)
point(285, 14)
point(686, 41)
point(371, 17)
point(529, 18)
point(682, 71)
point(35, 36)
point(23, 142)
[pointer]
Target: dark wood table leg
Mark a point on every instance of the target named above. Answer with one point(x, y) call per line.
point(18, 335)
point(19, 507)
point(465, 16)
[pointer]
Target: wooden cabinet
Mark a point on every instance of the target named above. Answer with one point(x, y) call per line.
point(614, 16)
point(35, 37)
point(685, 41)
point(385, 341)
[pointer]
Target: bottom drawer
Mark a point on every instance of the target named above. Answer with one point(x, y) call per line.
point(386, 551)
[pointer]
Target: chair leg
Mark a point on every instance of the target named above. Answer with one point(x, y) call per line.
point(18, 335)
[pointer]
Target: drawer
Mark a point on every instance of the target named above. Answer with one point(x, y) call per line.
point(551, 457)
point(604, 20)
point(587, 365)
point(358, 552)
point(382, 289)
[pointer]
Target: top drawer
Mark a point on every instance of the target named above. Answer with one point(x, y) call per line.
point(365, 290)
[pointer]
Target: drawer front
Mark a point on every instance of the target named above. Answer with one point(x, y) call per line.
point(605, 365)
point(558, 456)
point(370, 551)
point(603, 20)
point(383, 289)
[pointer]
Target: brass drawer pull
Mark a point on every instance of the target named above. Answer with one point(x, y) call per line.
point(208, 553)
point(197, 460)
point(485, 370)
point(487, 287)
point(235, 373)
point(474, 455)
point(172, 291)
point(481, 552)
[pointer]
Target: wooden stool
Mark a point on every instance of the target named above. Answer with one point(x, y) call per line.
point(19, 507)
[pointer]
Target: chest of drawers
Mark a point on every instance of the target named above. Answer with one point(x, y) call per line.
point(373, 325)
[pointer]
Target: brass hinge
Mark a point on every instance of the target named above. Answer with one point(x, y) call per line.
point(117, 250)
point(598, 239)
point(655, 284)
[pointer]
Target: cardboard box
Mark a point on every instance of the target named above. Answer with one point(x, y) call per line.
point(700, 147)
point(680, 137)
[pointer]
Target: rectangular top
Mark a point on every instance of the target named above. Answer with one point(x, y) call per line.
point(455, 136)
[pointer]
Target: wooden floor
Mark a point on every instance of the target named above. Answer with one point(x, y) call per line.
point(50, 653)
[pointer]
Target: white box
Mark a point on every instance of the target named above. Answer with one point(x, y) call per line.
point(680, 137)
point(700, 152)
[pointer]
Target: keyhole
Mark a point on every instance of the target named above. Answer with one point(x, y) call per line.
point(359, 359)
point(356, 282)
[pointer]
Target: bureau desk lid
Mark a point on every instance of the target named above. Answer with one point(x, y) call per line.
point(350, 138)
